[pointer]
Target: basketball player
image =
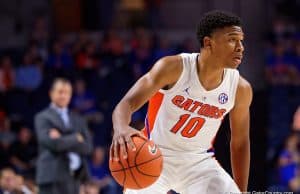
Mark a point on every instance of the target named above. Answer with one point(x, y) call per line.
point(189, 95)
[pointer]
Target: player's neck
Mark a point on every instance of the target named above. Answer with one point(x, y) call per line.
point(210, 72)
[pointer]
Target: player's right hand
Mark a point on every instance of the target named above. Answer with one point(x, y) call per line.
point(54, 133)
point(121, 140)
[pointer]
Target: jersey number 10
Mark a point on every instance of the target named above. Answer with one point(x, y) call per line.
point(192, 127)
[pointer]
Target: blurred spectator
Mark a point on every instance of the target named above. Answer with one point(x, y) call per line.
point(163, 49)
point(40, 36)
point(20, 187)
point(28, 75)
point(88, 62)
point(297, 62)
point(289, 160)
point(64, 142)
point(11, 183)
point(7, 181)
point(86, 59)
point(84, 102)
point(60, 57)
point(5, 154)
point(136, 36)
point(279, 78)
point(278, 66)
point(24, 152)
point(40, 29)
point(282, 75)
point(33, 51)
point(142, 57)
point(295, 72)
point(113, 54)
point(7, 74)
point(78, 45)
point(7, 136)
point(281, 29)
point(100, 172)
point(115, 68)
point(278, 29)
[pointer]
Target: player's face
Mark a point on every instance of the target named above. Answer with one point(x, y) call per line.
point(227, 46)
point(61, 94)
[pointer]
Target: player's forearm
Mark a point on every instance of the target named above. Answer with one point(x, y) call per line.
point(121, 115)
point(240, 161)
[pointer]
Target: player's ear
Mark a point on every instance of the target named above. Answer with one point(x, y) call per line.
point(207, 42)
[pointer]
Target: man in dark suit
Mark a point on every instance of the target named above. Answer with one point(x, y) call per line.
point(64, 142)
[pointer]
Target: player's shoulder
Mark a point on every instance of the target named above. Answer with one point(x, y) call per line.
point(174, 63)
point(244, 90)
point(170, 62)
point(243, 84)
point(168, 66)
point(178, 58)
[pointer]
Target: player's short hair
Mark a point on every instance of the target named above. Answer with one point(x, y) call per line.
point(59, 80)
point(211, 21)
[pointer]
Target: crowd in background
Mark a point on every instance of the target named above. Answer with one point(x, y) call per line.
point(283, 79)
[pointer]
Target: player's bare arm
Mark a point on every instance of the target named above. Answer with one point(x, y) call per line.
point(240, 140)
point(164, 73)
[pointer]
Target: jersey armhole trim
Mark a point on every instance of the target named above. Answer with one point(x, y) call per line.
point(236, 80)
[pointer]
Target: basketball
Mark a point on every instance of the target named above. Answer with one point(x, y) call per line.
point(141, 168)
